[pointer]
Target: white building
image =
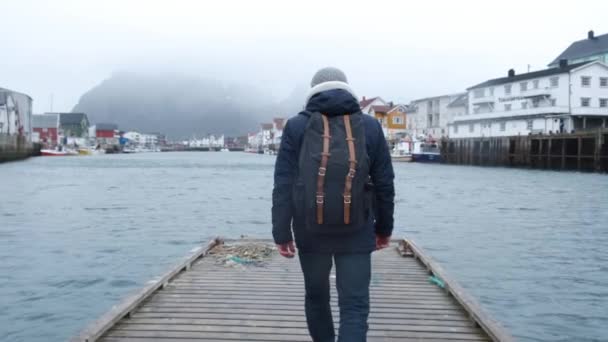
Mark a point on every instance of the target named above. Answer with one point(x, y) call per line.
point(594, 48)
point(430, 116)
point(15, 114)
point(366, 104)
point(562, 99)
point(278, 124)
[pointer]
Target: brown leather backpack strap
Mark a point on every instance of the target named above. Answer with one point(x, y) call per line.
point(352, 167)
point(323, 170)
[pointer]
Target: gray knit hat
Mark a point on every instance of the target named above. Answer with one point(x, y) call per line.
point(328, 74)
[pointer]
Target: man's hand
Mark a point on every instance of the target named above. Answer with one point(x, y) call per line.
point(287, 250)
point(382, 242)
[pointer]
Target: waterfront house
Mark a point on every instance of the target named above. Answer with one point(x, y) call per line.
point(391, 117)
point(396, 122)
point(594, 48)
point(366, 103)
point(45, 129)
point(458, 107)
point(278, 124)
point(104, 134)
point(73, 128)
point(266, 136)
point(429, 117)
point(15, 125)
point(567, 98)
point(15, 114)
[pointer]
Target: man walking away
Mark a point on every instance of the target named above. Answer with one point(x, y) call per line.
point(333, 188)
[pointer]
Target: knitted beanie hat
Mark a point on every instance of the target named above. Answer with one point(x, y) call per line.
point(328, 74)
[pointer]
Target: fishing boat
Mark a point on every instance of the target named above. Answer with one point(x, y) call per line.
point(426, 151)
point(52, 153)
point(402, 152)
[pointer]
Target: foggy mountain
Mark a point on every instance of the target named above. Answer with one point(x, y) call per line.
point(182, 106)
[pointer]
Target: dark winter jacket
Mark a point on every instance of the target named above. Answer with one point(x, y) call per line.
point(332, 103)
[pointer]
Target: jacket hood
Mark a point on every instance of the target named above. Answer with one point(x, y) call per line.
point(333, 102)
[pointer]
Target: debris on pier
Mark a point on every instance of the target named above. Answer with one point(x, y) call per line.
point(243, 254)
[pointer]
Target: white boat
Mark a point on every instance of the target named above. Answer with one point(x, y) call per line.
point(57, 153)
point(426, 151)
point(224, 150)
point(402, 152)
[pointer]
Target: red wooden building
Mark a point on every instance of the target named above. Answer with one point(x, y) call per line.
point(106, 130)
point(45, 129)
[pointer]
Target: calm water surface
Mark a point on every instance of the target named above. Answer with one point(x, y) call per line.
point(77, 234)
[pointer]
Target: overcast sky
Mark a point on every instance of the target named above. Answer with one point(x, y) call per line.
point(399, 50)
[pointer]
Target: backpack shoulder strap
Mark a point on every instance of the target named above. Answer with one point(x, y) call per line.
point(352, 167)
point(323, 169)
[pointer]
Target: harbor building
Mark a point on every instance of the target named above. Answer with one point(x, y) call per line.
point(565, 99)
point(15, 125)
point(367, 103)
point(45, 130)
point(594, 48)
point(429, 117)
point(104, 134)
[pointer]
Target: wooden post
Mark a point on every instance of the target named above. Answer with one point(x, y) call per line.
point(597, 165)
point(584, 123)
point(549, 143)
point(563, 153)
point(579, 151)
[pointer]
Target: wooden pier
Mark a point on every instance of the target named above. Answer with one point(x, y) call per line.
point(584, 151)
point(201, 300)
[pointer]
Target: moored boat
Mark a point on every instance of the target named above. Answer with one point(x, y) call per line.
point(56, 153)
point(402, 152)
point(426, 152)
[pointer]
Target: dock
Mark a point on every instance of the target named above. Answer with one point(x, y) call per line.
point(205, 298)
point(585, 151)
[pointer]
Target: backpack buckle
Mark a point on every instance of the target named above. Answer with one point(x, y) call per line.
point(348, 199)
point(320, 199)
point(322, 171)
point(351, 173)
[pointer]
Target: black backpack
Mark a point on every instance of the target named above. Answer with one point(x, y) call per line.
point(331, 190)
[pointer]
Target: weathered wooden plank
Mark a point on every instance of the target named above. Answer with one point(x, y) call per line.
point(278, 306)
point(272, 318)
point(246, 339)
point(404, 313)
point(397, 325)
point(296, 296)
point(194, 331)
point(375, 292)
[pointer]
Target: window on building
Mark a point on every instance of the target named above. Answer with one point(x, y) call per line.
point(523, 86)
point(45, 130)
point(479, 93)
point(397, 120)
point(471, 128)
point(535, 83)
point(585, 101)
point(553, 102)
point(524, 105)
point(554, 82)
point(507, 107)
point(530, 124)
point(604, 82)
point(491, 91)
point(604, 103)
point(508, 89)
point(455, 128)
point(535, 103)
point(586, 81)
point(503, 126)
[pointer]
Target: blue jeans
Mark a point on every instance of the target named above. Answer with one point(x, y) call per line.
point(353, 274)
